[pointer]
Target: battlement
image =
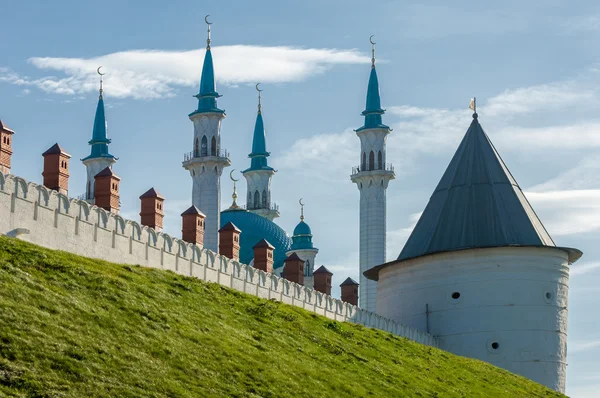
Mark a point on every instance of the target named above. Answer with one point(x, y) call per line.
point(33, 213)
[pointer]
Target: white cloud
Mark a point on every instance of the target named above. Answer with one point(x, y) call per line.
point(398, 237)
point(583, 175)
point(143, 74)
point(579, 346)
point(584, 268)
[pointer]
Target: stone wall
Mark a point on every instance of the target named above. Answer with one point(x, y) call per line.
point(47, 218)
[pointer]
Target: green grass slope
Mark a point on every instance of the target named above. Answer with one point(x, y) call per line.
point(76, 327)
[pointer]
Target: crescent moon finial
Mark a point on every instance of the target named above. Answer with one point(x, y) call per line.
point(206, 19)
point(371, 40)
point(259, 91)
point(231, 176)
point(208, 38)
point(301, 210)
point(372, 51)
point(98, 71)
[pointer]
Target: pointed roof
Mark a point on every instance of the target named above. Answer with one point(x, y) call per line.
point(5, 128)
point(263, 243)
point(230, 227)
point(56, 150)
point(322, 270)
point(100, 140)
point(107, 172)
point(207, 95)
point(477, 204)
point(259, 152)
point(373, 111)
point(152, 193)
point(293, 257)
point(349, 281)
point(193, 210)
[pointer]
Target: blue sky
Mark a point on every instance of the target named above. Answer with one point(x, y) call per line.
point(532, 65)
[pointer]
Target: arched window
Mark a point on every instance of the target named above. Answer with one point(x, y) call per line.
point(196, 148)
point(307, 268)
point(364, 162)
point(256, 200)
point(213, 146)
point(380, 161)
point(89, 190)
point(204, 147)
point(264, 199)
point(249, 200)
point(372, 161)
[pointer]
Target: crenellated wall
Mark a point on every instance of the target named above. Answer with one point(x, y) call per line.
point(47, 218)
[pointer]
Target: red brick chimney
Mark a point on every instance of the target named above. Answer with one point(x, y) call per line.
point(229, 241)
point(293, 270)
point(350, 291)
point(263, 256)
point(106, 194)
point(56, 169)
point(192, 226)
point(322, 280)
point(5, 148)
point(152, 209)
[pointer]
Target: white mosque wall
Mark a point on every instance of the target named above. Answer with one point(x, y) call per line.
point(506, 306)
point(47, 218)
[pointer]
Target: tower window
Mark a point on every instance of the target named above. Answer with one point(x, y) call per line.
point(204, 147)
point(364, 161)
point(196, 148)
point(256, 200)
point(379, 161)
point(495, 345)
point(264, 199)
point(456, 295)
point(372, 161)
point(213, 146)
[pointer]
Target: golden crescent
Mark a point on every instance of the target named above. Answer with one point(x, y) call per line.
point(300, 201)
point(206, 20)
point(371, 40)
point(258, 89)
point(231, 176)
point(98, 70)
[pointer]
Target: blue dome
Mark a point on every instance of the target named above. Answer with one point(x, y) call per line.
point(302, 229)
point(255, 228)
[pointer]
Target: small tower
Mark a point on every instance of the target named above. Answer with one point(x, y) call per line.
point(56, 169)
point(192, 226)
point(322, 281)
point(350, 291)
point(152, 213)
point(258, 175)
point(293, 269)
point(229, 241)
point(372, 177)
point(207, 159)
point(99, 157)
point(263, 256)
point(106, 194)
point(5, 148)
point(302, 245)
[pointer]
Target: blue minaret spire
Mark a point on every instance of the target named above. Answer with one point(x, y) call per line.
point(207, 96)
point(259, 145)
point(373, 111)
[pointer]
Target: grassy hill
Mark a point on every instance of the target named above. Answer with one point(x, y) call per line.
point(76, 327)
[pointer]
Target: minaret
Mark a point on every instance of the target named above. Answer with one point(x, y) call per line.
point(302, 245)
point(258, 176)
point(372, 178)
point(207, 160)
point(99, 157)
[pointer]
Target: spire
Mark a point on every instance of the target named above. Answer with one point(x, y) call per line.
point(259, 146)
point(234, 205)
point(100, 140)
point(373, 111)
point(301, 210)
point(207, 95)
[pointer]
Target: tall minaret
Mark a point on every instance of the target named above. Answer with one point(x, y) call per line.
point(99, 158)
point(207, 160)
point(258, 176)
point(372, 178)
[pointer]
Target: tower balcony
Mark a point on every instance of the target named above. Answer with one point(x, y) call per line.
point(384, 170)
point(220, 156)
point(272, 206)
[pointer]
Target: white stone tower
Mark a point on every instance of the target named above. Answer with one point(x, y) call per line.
point(481, 273)
point(372, 178)
point(302, 245)
point(258, 175)
point(99, 157)
point(207, 160)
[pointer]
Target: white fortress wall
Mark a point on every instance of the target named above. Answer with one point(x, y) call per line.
point(33, 213)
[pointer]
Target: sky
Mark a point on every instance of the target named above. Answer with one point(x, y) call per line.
point(533, 66)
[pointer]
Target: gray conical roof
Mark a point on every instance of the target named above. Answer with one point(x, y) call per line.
point(476, 204)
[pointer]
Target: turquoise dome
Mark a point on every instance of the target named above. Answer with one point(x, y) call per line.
point(254, 228)
point(302, 238)
point(302, 229)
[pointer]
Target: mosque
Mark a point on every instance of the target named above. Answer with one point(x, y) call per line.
point(479, 271)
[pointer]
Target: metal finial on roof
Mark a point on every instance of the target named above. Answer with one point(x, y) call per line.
point(473, 107)
point(208, 38)
point(101, 74)
point(301, 210)
point(372, 51)
point(234, 205)
point(259, 91)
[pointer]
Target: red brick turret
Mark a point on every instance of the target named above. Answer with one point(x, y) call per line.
point(350, 291)
point(106, 194)
point(5, 148)
point(192, 226)
point(322, 280)
point(56, 169)
point(152, 209)
point(293, 270)
point(229, 241)
point(263, 256)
